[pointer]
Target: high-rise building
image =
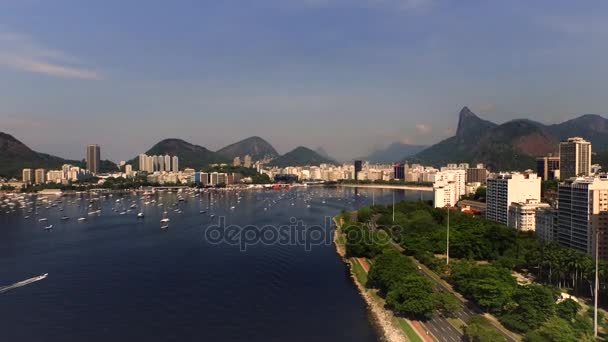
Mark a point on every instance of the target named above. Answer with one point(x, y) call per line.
point(155, 163)
point(40, 176)
point(399, 171)
point(546, 224)
point(583, 211)
point(506, 188)
point(93, 158)
point(358, 168)
point(236, 161)
point(168, 163)
point(247, 161)
point(574, 158)
point(149, 164)
point(174, 164)
point(28, 176)
point(129, 170)
point(161, 164)
point(142, 162)
point(547, 167)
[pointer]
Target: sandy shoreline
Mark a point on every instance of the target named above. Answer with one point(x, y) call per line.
point(383, 319)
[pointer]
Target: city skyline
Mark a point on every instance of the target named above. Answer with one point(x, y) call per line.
point(248, 66)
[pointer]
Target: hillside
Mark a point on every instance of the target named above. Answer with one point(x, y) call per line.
point(590, 126)
point(395, 152)
point(256, 147)
point(459, 147)
point(16, 156)
point(512, 145)
point(189, 155)
point(300, 156)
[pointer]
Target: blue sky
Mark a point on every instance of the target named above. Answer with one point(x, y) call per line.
point(347, 75)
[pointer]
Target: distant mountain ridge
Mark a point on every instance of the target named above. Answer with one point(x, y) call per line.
point(189, 155)
point(512, 145)
point(16, 156)
point(256, 147)
point(300, 156)
point(395, 152)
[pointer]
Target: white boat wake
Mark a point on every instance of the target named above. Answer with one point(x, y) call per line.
point(23, 283)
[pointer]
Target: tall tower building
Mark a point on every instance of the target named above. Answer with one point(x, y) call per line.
point(149, 164)
point(168, 163)
point(574, 158)
point(161, 164)
point(583, 212)
point(93, 159)
point(247, 161)
point(142, 162)
point(40, 175)
point(28, 176)
point(175, 164)
point(236, 161)
point(358, 168)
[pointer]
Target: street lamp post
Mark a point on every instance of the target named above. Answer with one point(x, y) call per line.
point(393, 205)
point(595, 292)
point(447, 248)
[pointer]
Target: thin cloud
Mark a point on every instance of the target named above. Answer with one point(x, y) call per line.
point(20, 52)
point(423, 129)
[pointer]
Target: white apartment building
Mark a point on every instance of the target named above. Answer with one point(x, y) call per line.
point(449, 187)
point(503, 189)
point(522, 215)
point(444, 194)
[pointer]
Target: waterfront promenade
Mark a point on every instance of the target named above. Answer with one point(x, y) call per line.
point(389, 186)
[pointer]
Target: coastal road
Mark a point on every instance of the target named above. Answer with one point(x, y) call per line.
point(442, 329)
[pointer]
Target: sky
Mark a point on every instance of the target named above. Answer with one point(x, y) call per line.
point(346, 75)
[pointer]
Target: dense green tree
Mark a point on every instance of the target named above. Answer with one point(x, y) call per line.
point(412, 296)
point(567, 309)
point(553, 330)
point(447, 304)
point(388, 269)
point(364, 214)
point(488, 286)
point(532, 305)
point(363, 242)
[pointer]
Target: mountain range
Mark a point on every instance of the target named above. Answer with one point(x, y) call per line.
point(394, 152)
point(512, 145)
point(16, 156)
point(189, 155)
point(509, 146)
point(300, 156)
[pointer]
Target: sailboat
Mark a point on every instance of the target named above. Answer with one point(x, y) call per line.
point(164, 222)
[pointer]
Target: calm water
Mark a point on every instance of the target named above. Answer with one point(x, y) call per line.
point(116, 277)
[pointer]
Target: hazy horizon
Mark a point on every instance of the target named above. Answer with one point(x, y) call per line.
point(348, 76)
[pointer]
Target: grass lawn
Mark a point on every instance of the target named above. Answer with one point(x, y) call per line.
point(359, 271)
point(408, 330)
